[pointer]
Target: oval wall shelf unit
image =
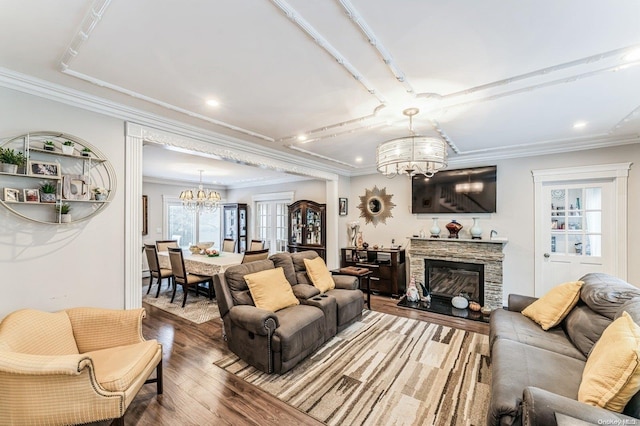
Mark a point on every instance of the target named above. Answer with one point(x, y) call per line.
point(78, 171)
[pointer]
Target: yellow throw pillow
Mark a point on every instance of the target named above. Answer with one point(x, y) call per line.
point(611, 376)
point(550, 309)
point(319, 274)
point(270, 290)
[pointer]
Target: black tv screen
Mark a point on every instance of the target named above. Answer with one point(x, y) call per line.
point(455, 191)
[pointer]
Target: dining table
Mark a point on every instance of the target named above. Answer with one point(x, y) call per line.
point(202, 264)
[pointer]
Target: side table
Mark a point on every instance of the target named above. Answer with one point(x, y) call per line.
point(360, 273)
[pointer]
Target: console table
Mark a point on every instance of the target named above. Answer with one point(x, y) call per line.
point(387, 267)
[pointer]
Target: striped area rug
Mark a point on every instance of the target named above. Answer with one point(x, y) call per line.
point(197, 309)
point(386, 370)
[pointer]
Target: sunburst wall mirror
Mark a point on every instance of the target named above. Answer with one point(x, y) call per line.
point(375, 205)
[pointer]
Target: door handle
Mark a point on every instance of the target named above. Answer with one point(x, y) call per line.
point(547, 255)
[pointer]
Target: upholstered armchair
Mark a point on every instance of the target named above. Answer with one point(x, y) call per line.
point(75, 366)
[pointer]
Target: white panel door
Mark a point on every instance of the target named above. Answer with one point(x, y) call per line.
point(581, 220)
point(580, 236)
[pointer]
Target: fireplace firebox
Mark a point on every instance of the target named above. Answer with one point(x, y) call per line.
point(445, 279)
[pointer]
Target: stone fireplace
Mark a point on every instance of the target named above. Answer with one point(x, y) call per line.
point(486, 253)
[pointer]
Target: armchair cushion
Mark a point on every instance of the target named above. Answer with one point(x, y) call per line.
point(29, 331)
point(550, 309)
point(611, 376)
point(319, 274)
point(117, 368)
point(270, 290)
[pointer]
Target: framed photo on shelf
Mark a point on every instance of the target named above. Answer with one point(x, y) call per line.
point(31, 195)
point(11, 195)
point(40, 168)
point(343, 206)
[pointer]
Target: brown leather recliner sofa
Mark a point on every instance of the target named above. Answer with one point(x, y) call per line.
point(274, 342)
point(537, 373)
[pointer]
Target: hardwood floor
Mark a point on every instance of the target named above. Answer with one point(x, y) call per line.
point(196, 392)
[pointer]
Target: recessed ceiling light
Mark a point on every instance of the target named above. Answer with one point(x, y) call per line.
point(302, 138)
point(634, 55)
point(358, 159)
point(213, 103)
point(579, 124)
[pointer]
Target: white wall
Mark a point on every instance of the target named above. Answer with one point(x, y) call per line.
point(515, 213)
point(52, 267)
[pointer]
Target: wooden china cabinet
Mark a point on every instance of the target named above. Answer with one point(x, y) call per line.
point(307, 223)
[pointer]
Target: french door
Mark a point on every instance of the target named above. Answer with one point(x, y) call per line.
point(580, 224)
point(271, 219)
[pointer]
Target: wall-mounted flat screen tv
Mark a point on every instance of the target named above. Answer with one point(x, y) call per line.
point(455, 191)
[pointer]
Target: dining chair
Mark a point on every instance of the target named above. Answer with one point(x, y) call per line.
point(256, 245)
point(185, 279)
point(252, 256)
point(229, 245)
point(163, 245)
point(155, 270)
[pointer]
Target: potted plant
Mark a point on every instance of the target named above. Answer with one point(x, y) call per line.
point(10, 160)
point(67, 147)
point(64, 209)
point(100, 194)
point(49, 146)
point(86, 152)
point(48, 192)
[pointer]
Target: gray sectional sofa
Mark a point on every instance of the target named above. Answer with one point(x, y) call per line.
point(537, 373)
point(274, 342)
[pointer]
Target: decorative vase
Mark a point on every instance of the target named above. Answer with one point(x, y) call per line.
point(476, 231)
point(101, 197)
point(67, 149)
point(453, 227)
point(65, 218)
point(360, 240)
point(460, 302)
point(435, 229)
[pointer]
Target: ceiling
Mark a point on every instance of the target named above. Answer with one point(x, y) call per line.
point(496, 79)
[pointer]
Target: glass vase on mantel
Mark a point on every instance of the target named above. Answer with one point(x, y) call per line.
point(435, 229)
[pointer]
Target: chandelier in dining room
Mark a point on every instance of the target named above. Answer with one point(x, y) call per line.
point(200, 200)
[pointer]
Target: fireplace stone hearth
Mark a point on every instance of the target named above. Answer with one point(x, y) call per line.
point(485, 252)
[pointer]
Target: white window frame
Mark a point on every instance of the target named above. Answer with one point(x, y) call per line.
point(274, 197)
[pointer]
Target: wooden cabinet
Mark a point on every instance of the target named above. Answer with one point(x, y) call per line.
point(235, 224)
point(388, 266)
point(307, 223)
